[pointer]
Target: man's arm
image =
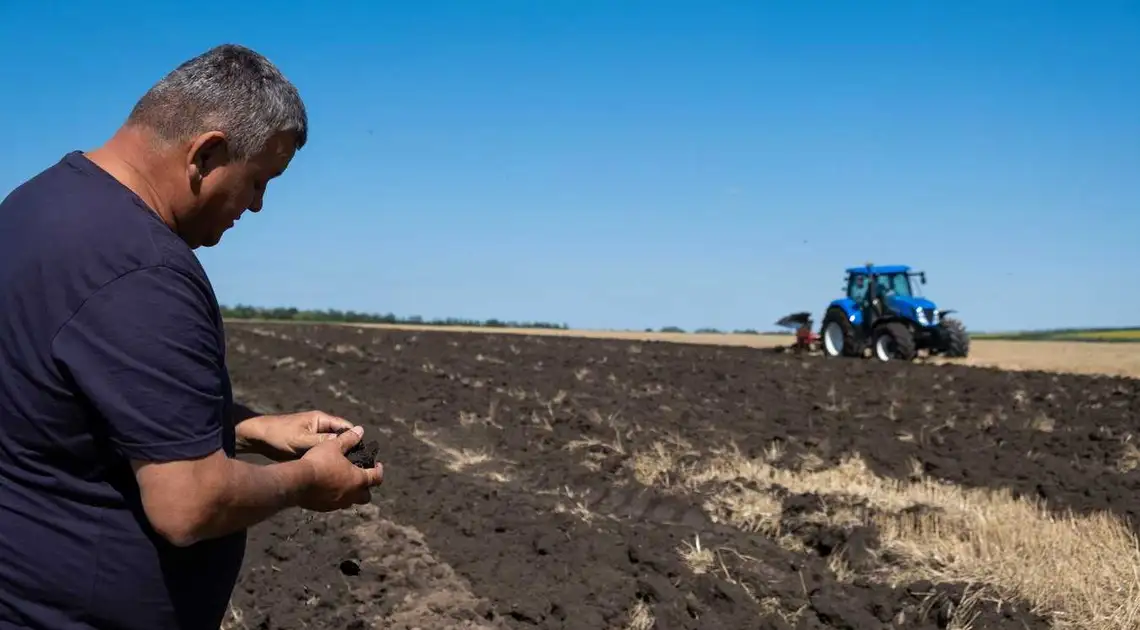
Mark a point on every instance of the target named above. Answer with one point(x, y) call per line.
point(247, 440)
point(189, 501)
point(288, 436)
point(192, 500)
point(241, 413)
point(144, 350)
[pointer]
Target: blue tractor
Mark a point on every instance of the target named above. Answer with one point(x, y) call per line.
point(884, 311)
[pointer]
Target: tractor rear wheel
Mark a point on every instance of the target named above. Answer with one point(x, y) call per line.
point(956, 340)
point(894, 341)
point(838, 336)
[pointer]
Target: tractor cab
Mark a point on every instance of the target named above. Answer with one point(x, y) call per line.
point(886, 280)
point(880, 291)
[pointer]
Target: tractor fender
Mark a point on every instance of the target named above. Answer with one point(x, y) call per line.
point(850, 309)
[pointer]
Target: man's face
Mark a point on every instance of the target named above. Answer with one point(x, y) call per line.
point(224, 188)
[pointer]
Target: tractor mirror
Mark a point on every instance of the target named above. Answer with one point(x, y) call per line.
point(922, 277)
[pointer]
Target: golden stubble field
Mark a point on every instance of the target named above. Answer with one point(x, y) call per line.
point(1116, 359)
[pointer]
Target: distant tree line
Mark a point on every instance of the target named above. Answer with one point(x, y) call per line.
point(709, 331)
point(242, 311)
point(281, 313)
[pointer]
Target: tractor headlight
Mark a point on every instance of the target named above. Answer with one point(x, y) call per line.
point(920, 315)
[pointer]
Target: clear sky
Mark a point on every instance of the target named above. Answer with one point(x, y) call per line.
point(645, 163)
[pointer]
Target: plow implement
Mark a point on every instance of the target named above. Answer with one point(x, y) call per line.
point(807, 342)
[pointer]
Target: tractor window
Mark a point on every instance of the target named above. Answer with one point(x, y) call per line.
point(896, 284)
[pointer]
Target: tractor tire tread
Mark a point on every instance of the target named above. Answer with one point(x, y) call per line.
point(905, 345)
point(958, 340)
point(851, 343)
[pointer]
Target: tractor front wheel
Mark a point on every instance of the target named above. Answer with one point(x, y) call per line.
point(894, 341)
point(955, 339)
point(837, 337)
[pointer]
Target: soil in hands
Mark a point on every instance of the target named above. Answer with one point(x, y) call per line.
point(363, 453)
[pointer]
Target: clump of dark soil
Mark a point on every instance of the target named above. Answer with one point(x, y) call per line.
point(510, 498)
point(363, 453)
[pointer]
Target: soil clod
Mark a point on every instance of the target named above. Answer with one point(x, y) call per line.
point(363, 454)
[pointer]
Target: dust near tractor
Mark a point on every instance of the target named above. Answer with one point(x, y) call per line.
point(884, 315)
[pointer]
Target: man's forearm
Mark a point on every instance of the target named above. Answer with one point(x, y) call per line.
point(190, 501)
point(250, 494)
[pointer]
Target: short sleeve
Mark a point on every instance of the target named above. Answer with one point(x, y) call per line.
point(146, 353)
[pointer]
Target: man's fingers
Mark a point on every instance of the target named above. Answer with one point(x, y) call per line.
point(349, 438)
point(375, 475)
point(331, 424)
point(309, 440)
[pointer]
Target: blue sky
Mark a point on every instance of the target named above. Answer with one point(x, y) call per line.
point(635, 164)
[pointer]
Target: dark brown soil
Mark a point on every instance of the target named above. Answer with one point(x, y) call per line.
point(458, 541)
point(363, 453)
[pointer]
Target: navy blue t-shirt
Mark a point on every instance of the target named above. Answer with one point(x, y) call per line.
point(111, 349)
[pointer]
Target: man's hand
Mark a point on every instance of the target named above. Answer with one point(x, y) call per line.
point(287, 437)
point(197, 499)
point(335, 482)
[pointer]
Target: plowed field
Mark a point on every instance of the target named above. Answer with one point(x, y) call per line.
point(554, 482)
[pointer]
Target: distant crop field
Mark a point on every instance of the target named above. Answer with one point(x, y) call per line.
point(1129, 334)
point(1114, 335)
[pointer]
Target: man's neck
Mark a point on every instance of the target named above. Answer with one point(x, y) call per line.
point(128, 158)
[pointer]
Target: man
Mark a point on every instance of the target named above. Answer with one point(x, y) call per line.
point(121, 503)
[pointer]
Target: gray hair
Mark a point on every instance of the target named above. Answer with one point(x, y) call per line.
point(228, 88)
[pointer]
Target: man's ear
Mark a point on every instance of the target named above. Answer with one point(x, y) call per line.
point(207, 152)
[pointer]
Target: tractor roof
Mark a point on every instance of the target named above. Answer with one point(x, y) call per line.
point(878, 269)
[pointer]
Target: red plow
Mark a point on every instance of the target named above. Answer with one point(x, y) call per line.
point(807, 342)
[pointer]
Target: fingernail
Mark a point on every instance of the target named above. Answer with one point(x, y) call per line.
point(359, 430)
